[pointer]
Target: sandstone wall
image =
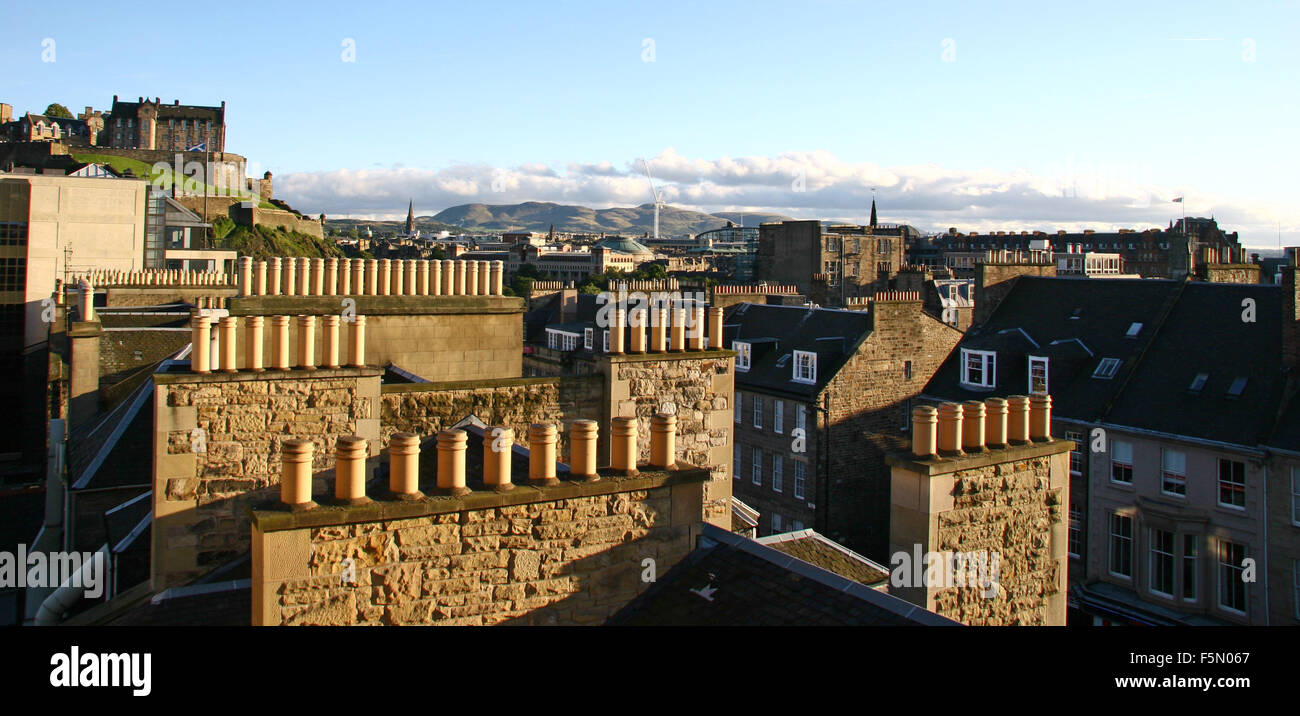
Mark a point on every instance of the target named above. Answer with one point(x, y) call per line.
point(217, 448)
point(551, 561)
point(699, 391)
point(426, 408)
point(1012, 503)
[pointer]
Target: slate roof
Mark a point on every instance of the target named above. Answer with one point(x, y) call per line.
point(1187, 328)
point(1075, 323)
point(729, 580)
point(1205, 333)
point(775, 332)
point(813, 548)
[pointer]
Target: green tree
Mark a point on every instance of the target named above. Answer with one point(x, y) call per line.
point(58, 110)
point(437, 253)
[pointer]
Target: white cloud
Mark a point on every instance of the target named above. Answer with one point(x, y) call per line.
point(1071, 196)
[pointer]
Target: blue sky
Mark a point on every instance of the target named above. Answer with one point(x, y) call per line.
point(925, 101)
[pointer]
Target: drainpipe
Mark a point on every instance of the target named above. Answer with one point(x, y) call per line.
point(57, 604)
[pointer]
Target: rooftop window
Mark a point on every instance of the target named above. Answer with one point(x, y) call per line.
point(1198, 383)
point(1134, 329)
point(805, 367)
point(1237, 388)
point(1106, 368)
point(743, 351)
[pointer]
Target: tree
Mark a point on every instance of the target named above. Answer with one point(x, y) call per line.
point(58, 110)
point(437, 253)
point(529, 271)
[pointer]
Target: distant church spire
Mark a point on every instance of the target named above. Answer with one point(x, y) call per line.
point(410, 218)
point(873, 208)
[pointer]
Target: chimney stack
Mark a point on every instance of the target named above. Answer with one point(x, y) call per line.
point(582, 450)
point(451, 462)
point(498, 445)
point(622, 448)
point(404, 464)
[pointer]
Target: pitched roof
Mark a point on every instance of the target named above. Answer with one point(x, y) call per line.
point(1074, 322)
point(813, 548)
point(1205, 333)
point(775, 332)
point(1163, 333)
point(729, 580)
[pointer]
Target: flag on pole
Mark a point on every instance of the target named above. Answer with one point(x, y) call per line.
point(1179, 200)
point(200, 147)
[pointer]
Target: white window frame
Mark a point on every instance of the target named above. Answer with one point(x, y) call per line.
point(1074, 538)
point(1170, 477)
point(1126, 541)
point(1153, 553)
point(778, 416)
point(1229, 571)
point(588, 338)
point(1242, 484)
point(810, 374)
point(1076, 455)
point(778, 473)
point(756, 468)
point(605, 341)
point(743, 352)
point(800, 478)
point(988, 368)
point(758, 412)
point(1037, 361)
point(1116, 459)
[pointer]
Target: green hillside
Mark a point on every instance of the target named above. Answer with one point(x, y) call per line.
point(263, 242)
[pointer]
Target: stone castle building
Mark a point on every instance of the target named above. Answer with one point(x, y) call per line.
point(145, 124)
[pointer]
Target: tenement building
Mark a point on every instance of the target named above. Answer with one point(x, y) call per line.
point(830, 264)
point(1183, 248)
point(1180, 398)
point(822, 395)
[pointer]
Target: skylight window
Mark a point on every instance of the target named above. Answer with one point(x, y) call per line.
point(1075, 316)
point(1237, 388)
point(780, 362)
point(1106, 368)
point(1134, 329)
point(1198, 383)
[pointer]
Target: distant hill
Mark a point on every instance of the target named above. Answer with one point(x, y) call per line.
point(633, 221)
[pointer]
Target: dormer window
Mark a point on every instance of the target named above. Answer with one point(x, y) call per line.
point(978, 368)
point(1037, 375)
point(805, 367)
point(587, 335)
point(742, 350)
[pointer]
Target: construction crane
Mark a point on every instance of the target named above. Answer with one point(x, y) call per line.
point(658, 197)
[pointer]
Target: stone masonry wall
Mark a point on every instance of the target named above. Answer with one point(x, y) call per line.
point(699, 391)
point(426, 408)
point(217, 447)
point(867, 408)
point(565, 561)
point(1007, 508)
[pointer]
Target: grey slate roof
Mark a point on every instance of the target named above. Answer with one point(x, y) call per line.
point(729, 580)
point(1187, 328)
point(775, 332)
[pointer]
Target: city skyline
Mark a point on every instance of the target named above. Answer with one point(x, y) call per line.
point(1020, 119)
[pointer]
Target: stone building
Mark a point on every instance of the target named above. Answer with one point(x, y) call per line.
point(150, 125)
point(978, 513)
point(1180, 398)
point(832, 263)
point(1173, 252)
point(821, 398)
